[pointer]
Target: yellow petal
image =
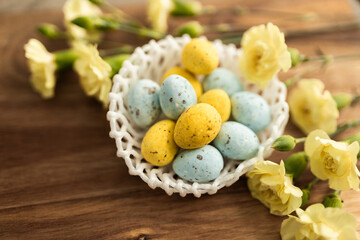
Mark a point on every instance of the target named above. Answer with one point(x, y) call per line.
point(289, 227)
point(348, 233)
point(312, 141)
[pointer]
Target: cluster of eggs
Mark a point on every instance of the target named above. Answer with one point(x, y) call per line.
point(197, 119)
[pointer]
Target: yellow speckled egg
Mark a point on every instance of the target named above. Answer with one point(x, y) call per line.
point(219, 100)
point(187, 75)
point(158, 146)
point(197, 126)
point(199, 56)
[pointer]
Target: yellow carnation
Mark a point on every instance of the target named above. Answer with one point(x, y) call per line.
point(264, 54)
point(313, 108)
point(270, 185)
point(94, 72)
point(42, 66)
point(78, 8)
point(333, 160)
point(157, 13)
point(318, 222)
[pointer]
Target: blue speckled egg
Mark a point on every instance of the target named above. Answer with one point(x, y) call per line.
point(251, 110)
point(143, 102)
point(176, 95)
point(199, 165)
point(236, 141)
point(223, 79)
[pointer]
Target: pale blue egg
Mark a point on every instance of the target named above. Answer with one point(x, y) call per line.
point(176, 95)
point(223, 79)
point(199, 165)
point(236, 141)
point(251, 110)
point(143, 102)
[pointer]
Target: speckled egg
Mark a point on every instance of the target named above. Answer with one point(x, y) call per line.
point(251, 110)
point(143, 102)
point(199, 56)
point(187, 75)
point(219, 100)
point(223, 79)
point(176, 95)
point(197, 126)
point(158, 146)
point(236, 141)
point(199, 165)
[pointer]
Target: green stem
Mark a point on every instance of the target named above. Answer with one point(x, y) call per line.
point(248, 10)
point(337, 192)
point(236, 38)
point(311, 184)
point(64, 59)
point(328, 58)
point(306, 192)
point(115, 51)
point(116, 62)
point(94, 23)
point(291, 81)
point(355, 99)
point(142, 31)
point(118, 13)
point(300, 140)
point(345, 126)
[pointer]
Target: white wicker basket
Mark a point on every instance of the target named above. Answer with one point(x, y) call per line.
point(151, 61)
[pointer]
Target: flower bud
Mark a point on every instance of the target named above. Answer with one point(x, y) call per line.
point(186, 8)
point(95, 23)
point(49, 30)
point(284, 143)
point(305, 197)
point(333, 200)
point(296, 58)
point(342, 100)
point(296, 164)
point(192, 28)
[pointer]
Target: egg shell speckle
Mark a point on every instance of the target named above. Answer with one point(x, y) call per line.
point(199, 56)
point(219, 100)
point(187, 75)
point(143, 102)
point(223, 79)
point(197, 126)
point(176, 95)
point(236, 141)
point(199, 165)
point(158, 146)
point(251, 110)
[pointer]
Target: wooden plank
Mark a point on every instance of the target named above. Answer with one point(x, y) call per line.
point(60, 178)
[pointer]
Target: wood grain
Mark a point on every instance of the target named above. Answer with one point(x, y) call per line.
point(59, 174)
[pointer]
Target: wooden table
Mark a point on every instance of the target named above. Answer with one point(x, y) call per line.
point(60, 177)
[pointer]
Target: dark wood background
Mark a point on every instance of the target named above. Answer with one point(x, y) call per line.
point(59, 174)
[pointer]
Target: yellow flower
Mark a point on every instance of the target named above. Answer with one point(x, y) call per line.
point(42, 66)
point(270, 185)
point(94, 72)
point(333, 160)
point(78, 8)
point(157, 13)
point(313, 108)
point(318, 222)
point(264, 54)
